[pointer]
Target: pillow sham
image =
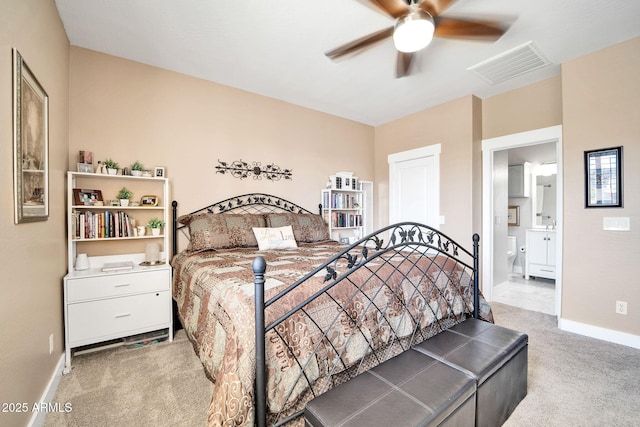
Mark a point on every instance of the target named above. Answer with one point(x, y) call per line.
point(275, 238)
point(307, 228)
point(222, 231)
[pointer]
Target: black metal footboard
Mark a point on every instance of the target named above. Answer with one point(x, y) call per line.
point(376, 298)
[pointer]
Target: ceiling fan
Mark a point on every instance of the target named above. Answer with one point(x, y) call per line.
point(416, 23)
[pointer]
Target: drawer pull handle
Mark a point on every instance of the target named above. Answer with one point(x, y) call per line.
point(118, 316)
point(122, 285)
point(550, 271)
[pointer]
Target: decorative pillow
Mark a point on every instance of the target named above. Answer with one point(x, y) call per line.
point(222, 231)
point(307, 228)
point(275, 238)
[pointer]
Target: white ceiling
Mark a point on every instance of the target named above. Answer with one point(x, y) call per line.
point(276, 48)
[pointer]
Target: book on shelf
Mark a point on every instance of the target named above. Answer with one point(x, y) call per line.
point(339, 201)
point(90, 225)
point(344, 219)
point(118, 266)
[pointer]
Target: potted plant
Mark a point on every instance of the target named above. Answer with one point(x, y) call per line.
point(137, 168)
point(124, 195)
point(155, 224)
point(112, 166)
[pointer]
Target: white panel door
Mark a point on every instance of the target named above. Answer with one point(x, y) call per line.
point(415, 186)
point(367, 195)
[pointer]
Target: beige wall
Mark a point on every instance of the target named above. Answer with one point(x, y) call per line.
point(32, 255)
point(536, 106)
point(453, 125)
point(130, 111)
point(601, 108)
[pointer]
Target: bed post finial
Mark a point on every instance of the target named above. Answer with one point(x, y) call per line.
point(259, 267)
point(174, 227)
point(476, 276)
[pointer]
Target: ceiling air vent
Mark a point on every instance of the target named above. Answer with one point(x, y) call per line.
point(519, 60)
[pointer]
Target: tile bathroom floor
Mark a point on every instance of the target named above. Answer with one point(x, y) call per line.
point(533, 294)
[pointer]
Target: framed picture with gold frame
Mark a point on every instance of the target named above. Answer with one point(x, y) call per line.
point(30, 145)
point(149, 201)
point(513, 215)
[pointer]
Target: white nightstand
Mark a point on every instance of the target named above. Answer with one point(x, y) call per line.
point(102, 305)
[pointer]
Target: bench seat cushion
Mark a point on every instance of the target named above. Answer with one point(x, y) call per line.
point(496, 357)
point(411, 389)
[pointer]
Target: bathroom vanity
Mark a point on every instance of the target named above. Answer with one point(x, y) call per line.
point(540, 259)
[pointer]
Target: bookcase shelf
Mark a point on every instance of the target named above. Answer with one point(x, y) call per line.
point(109, 305)
point(344, 214)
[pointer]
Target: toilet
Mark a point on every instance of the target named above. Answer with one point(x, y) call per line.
point(512, 251)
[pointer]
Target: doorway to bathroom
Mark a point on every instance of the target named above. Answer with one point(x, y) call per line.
point(523, 207)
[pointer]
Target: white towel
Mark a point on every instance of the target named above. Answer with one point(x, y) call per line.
point(539, 198)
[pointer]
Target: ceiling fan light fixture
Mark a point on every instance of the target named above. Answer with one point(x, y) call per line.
point(413, 31)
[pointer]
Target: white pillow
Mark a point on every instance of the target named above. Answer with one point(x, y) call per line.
point(275, 238)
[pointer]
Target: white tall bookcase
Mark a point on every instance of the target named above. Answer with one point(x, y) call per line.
point(102, 305)
point(343, 213)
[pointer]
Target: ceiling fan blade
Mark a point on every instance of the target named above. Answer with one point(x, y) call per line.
point(403, 64)
point(435, 7)
point(360, 43)
point(392, 8)
point(459, 28)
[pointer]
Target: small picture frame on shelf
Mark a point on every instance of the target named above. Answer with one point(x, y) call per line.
point(149, 201)
point(85, 167)
point(85, 157)
point(87, 197)
point(158, 171)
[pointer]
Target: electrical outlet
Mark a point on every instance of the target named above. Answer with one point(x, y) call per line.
point(50, 343)
point(621, 307)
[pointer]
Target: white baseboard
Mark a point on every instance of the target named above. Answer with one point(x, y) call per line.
point(38, 417)
point(610, 335)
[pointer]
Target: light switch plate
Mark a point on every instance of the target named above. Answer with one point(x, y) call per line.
point(616, 223)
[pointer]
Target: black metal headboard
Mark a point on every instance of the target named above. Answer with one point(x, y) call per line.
point(246, 203)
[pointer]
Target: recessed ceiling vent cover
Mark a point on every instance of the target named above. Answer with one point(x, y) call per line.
point(507, 65)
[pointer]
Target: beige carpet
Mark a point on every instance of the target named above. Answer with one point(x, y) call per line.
point(157, 385)
point(573, 381)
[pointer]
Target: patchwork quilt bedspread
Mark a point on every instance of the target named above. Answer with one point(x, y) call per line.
point(214, 292)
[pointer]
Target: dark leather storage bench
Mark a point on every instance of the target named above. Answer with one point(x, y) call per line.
point(495, 356)
point(411, 389)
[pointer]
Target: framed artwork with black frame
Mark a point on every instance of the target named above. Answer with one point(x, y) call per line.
point(603, 178)
point(30, 145)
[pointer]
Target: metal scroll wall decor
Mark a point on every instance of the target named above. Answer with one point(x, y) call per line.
point(242, 170)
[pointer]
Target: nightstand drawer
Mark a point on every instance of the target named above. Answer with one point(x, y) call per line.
point(101, 320)
point(113, 285)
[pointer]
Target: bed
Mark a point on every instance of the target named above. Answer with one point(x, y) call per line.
point(325, 311)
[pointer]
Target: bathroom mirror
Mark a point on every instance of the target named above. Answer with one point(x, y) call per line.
point(544, 200)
